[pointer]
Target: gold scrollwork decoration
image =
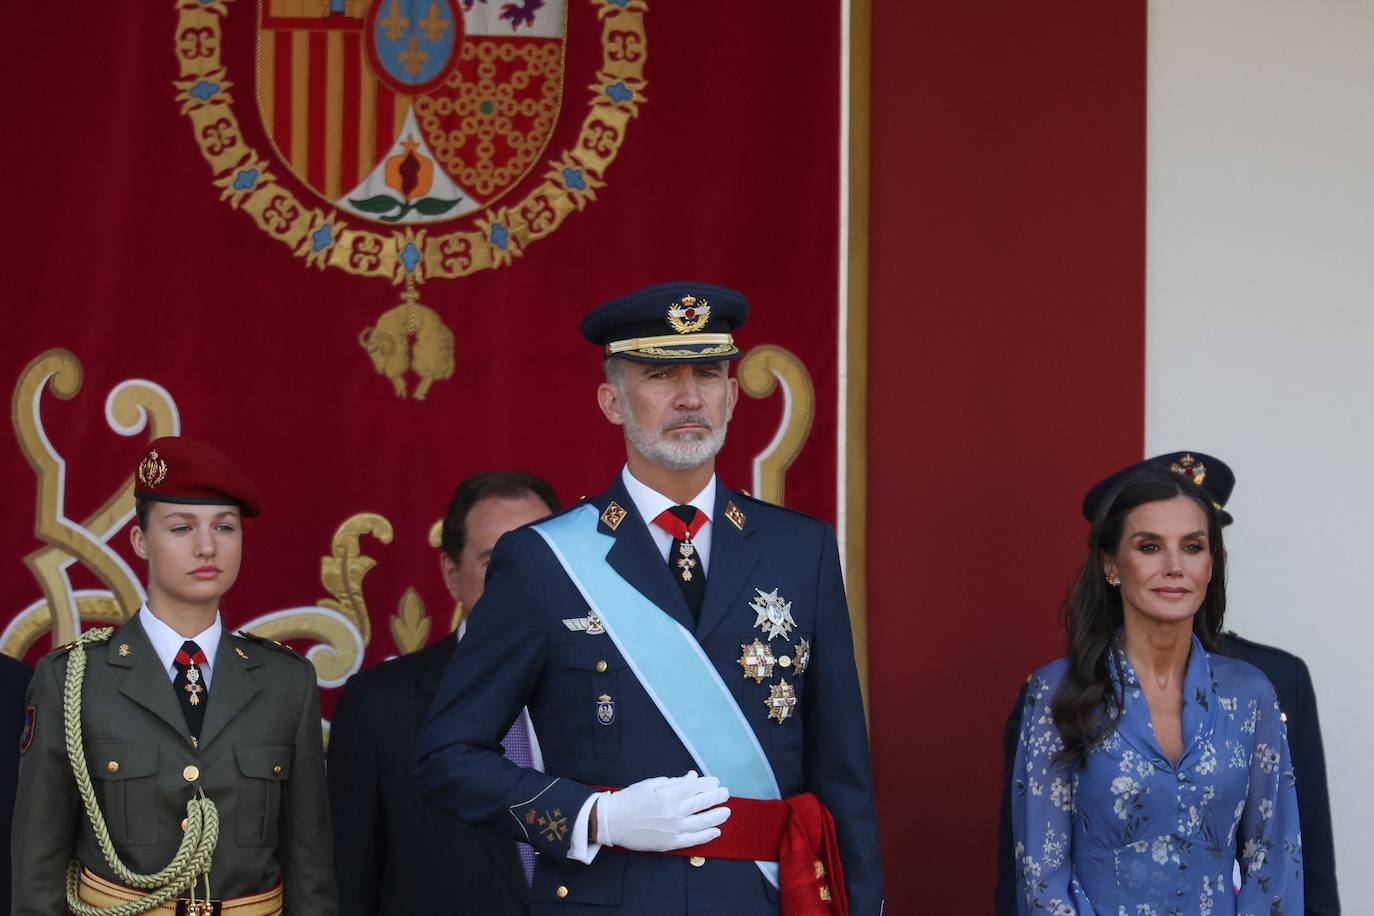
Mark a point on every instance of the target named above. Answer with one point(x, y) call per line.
point(342, 573)
point(338, 652)
point(131, 407)
point(410, 623)
point(761, 372)
point(35, 622)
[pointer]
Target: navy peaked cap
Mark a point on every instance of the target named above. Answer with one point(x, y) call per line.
point(669, 323)
point(1212, 474)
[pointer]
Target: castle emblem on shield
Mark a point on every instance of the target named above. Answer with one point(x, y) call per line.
point(410, 139)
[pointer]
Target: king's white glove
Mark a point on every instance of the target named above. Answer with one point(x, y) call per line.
point(662, 813)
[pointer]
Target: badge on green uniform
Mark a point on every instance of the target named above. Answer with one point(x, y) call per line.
point(30, 720)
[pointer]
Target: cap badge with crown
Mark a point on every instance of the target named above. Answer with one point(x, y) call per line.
point(1190, 467)
point(152, 470)
point(688, 314)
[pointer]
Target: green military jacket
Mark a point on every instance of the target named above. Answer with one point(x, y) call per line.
point(260, 759)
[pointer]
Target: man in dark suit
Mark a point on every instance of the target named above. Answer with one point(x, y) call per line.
point(394, 854)
point(1297, 701)
point(14, 680)
point(668, 627)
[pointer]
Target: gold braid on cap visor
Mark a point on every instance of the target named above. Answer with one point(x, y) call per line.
point(669, 346)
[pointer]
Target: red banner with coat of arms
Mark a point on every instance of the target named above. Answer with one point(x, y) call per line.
point(350, 242)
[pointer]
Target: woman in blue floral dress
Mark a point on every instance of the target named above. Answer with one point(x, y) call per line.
point(1148, 767)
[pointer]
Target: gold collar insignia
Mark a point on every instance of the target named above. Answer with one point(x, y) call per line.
point(613, 515)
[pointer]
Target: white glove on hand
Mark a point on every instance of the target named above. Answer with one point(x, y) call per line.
point(662, 813)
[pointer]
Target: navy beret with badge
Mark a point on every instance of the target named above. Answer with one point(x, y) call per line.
point(682, 322)
point(174, 469)
point(1212, 474)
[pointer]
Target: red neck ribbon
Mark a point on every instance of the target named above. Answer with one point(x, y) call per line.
point(674, 526)
point(184, 659)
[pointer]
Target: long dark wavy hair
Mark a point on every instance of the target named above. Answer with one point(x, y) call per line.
point(1087, 706)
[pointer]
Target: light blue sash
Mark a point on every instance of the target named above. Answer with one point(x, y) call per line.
point(668, 661)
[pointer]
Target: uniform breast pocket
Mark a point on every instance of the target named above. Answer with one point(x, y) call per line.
point(125, 773)
point(264, 770)
point(605, 677)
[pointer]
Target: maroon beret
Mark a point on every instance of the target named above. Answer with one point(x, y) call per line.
point(174, 469)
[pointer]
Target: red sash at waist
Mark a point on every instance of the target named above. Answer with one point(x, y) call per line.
point(799, 834)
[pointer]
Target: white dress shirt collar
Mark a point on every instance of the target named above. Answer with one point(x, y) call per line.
point(167, 643)
point(650, 503)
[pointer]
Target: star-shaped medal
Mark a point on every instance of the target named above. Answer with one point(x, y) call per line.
point(774, 614)
point(757, 661)
point(781, 701)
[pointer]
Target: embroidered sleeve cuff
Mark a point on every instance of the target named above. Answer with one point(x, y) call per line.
point(579, 848)
point(547, 820)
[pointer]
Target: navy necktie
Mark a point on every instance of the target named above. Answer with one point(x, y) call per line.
point(684, 561)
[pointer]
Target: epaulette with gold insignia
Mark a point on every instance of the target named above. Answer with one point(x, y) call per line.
point(264, 641)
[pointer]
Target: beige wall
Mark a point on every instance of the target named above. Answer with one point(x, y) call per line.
point(1260, 334)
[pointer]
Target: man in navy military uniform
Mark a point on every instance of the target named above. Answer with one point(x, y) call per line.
point(1297, 700)
point(668, 627)
point(394, 854)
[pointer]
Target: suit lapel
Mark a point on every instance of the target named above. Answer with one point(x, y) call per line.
point(147, 683)
point(733, 558)
point(231, 686)
point(636, 558)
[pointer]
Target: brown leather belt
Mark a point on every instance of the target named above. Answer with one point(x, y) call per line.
point(99, 891)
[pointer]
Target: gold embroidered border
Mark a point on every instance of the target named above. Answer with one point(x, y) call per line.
point(322, 239)
point(728, 349)
point(855, 389)
point(644, 343)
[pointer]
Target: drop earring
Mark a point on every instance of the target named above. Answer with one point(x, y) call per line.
point(1114, 581)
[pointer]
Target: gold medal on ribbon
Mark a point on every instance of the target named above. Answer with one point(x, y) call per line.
point(686, 561)
point(193, 685)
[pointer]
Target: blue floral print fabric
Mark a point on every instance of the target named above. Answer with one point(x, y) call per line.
point(1126, 832)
